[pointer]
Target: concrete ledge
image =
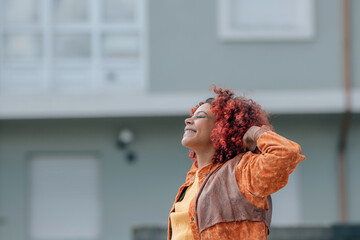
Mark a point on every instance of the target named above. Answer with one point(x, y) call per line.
point(149, 233)
point(334, 232)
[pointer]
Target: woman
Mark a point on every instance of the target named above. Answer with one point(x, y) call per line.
point(238, 162)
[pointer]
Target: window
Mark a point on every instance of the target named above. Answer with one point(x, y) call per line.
point(57, 45)
point(265, 19)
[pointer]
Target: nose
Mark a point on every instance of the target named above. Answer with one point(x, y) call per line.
point(188, 121)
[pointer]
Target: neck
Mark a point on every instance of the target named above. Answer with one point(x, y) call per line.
point(204, 157)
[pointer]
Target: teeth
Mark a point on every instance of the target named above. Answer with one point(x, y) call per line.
point(189, 131)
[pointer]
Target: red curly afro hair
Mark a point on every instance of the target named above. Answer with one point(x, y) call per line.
point(234, 116)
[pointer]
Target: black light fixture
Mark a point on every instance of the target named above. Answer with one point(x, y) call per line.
point(125, 138)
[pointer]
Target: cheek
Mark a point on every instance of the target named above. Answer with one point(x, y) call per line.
point(210, 129)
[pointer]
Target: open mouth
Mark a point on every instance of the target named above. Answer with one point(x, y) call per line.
point(189, 131)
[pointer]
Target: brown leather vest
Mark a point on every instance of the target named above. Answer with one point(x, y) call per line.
point(220, 200)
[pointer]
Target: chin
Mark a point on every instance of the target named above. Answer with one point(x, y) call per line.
point(183, 142)
point(186, 142)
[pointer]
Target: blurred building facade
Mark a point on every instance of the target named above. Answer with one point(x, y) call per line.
point(74, 75)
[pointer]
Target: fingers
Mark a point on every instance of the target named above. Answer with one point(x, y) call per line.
point(249, 143)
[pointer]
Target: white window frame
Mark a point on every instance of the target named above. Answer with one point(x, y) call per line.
point(96, 64)
point(304, 30)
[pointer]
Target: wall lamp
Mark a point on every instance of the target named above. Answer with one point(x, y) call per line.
point(124, 139)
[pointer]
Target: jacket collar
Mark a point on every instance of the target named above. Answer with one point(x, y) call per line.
point(203, 172)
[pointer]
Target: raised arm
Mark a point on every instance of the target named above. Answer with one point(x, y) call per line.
point(261, 174)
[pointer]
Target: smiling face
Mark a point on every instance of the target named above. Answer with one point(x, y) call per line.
point(198, 129)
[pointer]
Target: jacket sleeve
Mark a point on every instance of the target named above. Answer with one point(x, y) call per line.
point(267, 172)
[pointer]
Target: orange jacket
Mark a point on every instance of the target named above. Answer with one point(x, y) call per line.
point(258, 175)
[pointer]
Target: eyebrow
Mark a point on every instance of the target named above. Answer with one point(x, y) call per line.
point(201, 112)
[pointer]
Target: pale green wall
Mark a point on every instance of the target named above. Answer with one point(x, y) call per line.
point(317, 136)
point(142, 193)
point(353, 169)
point(185, 53)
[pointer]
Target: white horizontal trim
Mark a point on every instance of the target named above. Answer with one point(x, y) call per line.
point(113, 104)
